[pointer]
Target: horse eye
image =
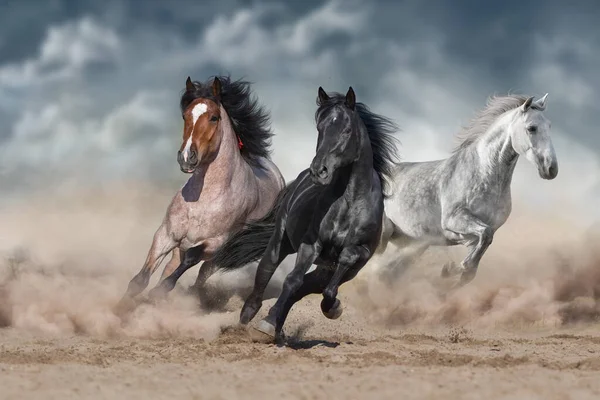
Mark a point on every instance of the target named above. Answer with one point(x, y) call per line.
point(214, 118)
point(532, 129)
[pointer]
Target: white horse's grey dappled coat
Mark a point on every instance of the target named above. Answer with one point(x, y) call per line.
point(465, 198)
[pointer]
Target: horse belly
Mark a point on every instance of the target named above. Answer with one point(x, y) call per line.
point(417, 220)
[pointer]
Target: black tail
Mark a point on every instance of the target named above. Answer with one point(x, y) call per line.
point(249, 243)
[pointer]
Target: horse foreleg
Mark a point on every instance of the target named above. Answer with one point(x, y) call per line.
point(314, 282)
point(162, 244)
point(307, 254)
point(176, 257)
point(350, 262)
point(465, 227)
point(190, 258)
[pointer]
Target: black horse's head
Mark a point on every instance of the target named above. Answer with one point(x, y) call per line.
point(339, 143)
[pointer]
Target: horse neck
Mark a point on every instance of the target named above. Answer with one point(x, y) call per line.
point(495, 151)
point(360, 171)
point(228, 162)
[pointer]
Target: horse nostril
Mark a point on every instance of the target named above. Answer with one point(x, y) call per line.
point(553, 170)
point(179, 157)
point(323, 172)
point(193, 157)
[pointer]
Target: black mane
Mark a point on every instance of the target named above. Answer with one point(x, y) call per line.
point(250, 120)
point(380, 130)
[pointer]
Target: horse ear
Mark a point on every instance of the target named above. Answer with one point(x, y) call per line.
point(527, 104)
point(351, 98)
point(541, 103)
point(188, 84)
point(323, 96)
point(216, 88)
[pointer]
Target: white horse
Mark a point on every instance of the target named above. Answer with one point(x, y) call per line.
point(465, 198)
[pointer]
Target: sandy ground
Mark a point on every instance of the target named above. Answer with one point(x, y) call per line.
point(348, 358)
point(527, 327)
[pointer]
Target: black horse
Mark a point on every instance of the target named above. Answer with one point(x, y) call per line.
point(331, 215)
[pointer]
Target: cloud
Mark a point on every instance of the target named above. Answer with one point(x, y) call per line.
point(65, 51)
point(100, 98)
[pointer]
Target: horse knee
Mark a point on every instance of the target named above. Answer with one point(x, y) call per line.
point(487, 236)
point(352, 256)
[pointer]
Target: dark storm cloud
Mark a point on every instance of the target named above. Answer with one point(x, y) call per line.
point(93, 86)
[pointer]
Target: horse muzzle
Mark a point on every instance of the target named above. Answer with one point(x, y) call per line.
point(188, 164)
point(549, 171)
point(320, 175)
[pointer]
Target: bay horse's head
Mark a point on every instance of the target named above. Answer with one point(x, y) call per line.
point(202, 119)
point(339, 143)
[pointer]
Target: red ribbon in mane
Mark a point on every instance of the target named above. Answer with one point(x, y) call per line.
point(240, 144)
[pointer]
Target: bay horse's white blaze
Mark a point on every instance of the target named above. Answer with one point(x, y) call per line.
point(197, 111)
point(465, 198)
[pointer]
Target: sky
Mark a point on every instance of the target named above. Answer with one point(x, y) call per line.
point(89, 90)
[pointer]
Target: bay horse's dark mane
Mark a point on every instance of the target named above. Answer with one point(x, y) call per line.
point(249, 119)
point(380, 130)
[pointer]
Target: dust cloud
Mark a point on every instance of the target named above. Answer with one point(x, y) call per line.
point(67, 259)
point(541, 271)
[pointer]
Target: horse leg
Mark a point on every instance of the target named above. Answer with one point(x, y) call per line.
point(176, 257)
point(412, 252)
point(314, 282)
point(351, 260)
point(277, 250)
point(307, 254)
point(162, 244)
point(462, 225)
point(209, 298)
point(191, 257)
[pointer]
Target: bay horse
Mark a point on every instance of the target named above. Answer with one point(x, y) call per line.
point(226, 149)
point(466, 198)
point(331, 215)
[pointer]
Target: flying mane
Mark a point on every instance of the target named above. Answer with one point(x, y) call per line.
point(249, 119)
point(380, 130)
point(483, 120)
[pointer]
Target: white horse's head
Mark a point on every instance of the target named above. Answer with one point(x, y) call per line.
point(530, 134)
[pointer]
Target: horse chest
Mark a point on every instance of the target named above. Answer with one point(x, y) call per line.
point(212, 215)
point(348, 225)
point(491, 204)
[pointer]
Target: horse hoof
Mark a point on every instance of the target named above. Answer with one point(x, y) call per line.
point(335, 311)
point(266, 327)
point(125, 306)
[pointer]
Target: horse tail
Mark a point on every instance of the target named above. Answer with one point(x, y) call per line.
point(250, 242)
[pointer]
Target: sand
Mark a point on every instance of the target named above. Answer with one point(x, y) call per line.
point(526, 327)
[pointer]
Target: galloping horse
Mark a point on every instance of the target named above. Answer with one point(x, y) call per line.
point(464, 199)
point(226, 146)
point(331, 215)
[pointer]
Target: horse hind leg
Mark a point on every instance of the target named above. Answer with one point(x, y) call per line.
point(278, 248)
point(273, 323)
point(211, 298)
point(313, 282)
point(412, 251)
